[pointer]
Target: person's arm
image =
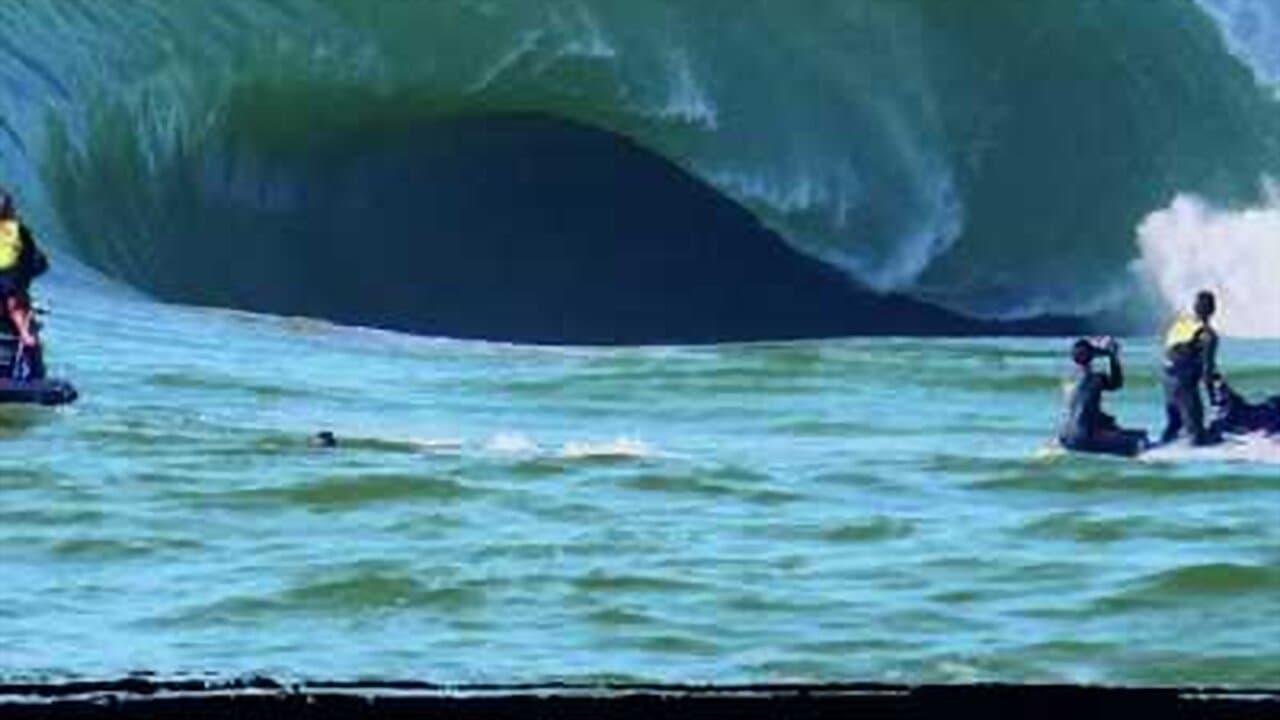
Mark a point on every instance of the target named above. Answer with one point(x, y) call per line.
point(1210, 358)
point(20, 314)
point(34, 261)
point(1115, 374)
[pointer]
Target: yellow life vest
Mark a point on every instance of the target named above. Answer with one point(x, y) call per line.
point(10, 244)
point(1182, 333)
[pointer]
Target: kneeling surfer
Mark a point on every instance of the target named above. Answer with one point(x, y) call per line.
point(1085, 427)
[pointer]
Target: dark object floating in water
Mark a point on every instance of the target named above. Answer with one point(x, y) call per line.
point(324, 439)
point(37, 392)
point(23, 380)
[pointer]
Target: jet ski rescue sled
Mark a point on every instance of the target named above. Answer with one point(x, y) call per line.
point(49, 393)
point(22, 376)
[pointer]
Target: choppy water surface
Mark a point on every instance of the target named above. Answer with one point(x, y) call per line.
point(836, 510)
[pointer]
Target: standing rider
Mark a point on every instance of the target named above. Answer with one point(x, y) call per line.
point(1085, 427)
point(1190, 358)
point(21, 261)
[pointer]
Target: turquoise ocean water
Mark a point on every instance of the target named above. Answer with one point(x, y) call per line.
point(825, 510)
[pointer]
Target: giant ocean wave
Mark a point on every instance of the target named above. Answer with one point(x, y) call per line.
point(509, 166)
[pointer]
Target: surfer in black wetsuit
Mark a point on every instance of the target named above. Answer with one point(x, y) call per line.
point(1233, 414)
point(1085, 427)
point(1190, 357)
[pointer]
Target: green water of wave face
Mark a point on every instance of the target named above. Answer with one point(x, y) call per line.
point(994, 161)
point(838, 510)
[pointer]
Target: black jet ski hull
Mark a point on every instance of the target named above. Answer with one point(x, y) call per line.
point(37, 392)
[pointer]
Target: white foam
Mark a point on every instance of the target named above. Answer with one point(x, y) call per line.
point(834, 191)
point(437, 444)
point(511, 444)
point(525, 46)
point(1257, 448)
point(1192, 246)
point(687, 99)
point(936, 232)
point(622, 448)
point(585, 38)
point(1051, 450)
point(837, 189)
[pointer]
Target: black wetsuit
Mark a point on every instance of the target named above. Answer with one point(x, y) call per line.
point(1185, 367)
point(1234, 414)
point(1085, 428)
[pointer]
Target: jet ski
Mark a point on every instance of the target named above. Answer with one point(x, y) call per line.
point(22, 376)
point(1234, 415)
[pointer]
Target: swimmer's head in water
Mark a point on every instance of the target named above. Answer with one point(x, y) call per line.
point(1082, 352)
point(1206, 305)
point(324, 439)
